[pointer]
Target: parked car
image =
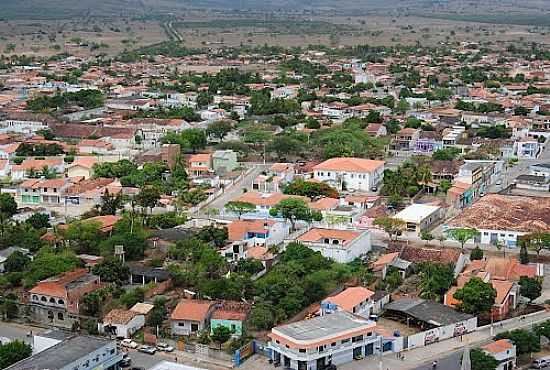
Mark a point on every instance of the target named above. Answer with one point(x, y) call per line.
point(147, 349)
point(126, 361)
point(128, 343)
point(541, 363)
point(165, 347)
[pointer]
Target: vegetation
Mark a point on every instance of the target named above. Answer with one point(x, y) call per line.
point(435, 280)
point(12, 352)
point(86, 99)
point(482, 361)
point(462, 235)
point(476, 297)
point(293, 210)
point(310, 189)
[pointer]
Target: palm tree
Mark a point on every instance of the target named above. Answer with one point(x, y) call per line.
point(424, 175)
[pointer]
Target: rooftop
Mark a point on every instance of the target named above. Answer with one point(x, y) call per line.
point(350, 297)
point(349, 165)
point(318, 235)
point(427, 311)
point(321, 327)
point(192, 310)
point(62, 354)
point(416, 212)
point(506, 212)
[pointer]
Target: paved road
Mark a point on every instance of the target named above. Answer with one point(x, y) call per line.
point(16, 331)
point(235, 190)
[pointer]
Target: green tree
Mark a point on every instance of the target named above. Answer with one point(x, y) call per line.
point(476, 297)
point(427, 236)
point(476, 254)
point(310, 189)
point(8, 207)
point(84, 236)
point(523, 255)
point(112, 270)
point(530, 287)
point(158, 314)
point(445, 185)
point(111, 203)
point(447, 154)
point(392, 226)
point(39, 221)
point(262, 317)
point(526, 342)
point(219, 129)
point(13, 352)
point(435, 280)
point(240, 208)
point(148, 197)
point(482, 361)
point(16, 262)
point(195, 138)
point(462, 235)
point(221, 334)
point(293, 210)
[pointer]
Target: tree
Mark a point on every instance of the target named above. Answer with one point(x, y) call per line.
point(476, 254)
point(13, 352)
point(476, 297)
point(110, 203)
point(148, 197)
point(39, 221)
point(294, 209)
point(391, 225)
point(195, 138)
point(212, 234)
point(249, 265)
point(84, 236)
point(447, 154)
point(482, 361)
point(112, 270)
point(525, 341)
point(445, 185)
point(523, 252)
point(537, 241)
point(219, 129)
point(193, 197)
point(530, 287)
point(8, 207)
point(462, 235)
point(499, 245)
point(262, 317)
point(221, 334)
point(427, 236)
point(16, 262)
point(435, 279)
point(158, 314)
point(310, 189)
point(240, 208)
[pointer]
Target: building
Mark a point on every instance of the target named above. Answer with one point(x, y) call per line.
point(56, 301)
point(540, 169)
point(77, 352)
point(313, 344)
point(6, 253)
point(191, 316)
point(224, 161)
point(264, 201)
point(504, 351)
point(167, 365)
point(122, 323)
point(504, 217)
point(350, 173)
point(356, 300)
point(339, 245)
point(257, 232)
point(24, 122)
point(528, 148)
point(406, 138)
point(419, 217)
point(533, 182)
point(200, 164)
point(232, 315)
point(82, 166)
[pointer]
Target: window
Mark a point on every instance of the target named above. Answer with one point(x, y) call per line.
point(333, 344)
point(52, 300)
point(60, 301)
point(35, 297)
point(302, 350)
point(345, 341)
point(43, 299)
point(181, 324)
point(194, 327)
point(327, 241)
point(60, 316)
point(357, 338)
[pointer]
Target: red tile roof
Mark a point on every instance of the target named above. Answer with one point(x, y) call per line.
point(191, 310)
point(349, 165)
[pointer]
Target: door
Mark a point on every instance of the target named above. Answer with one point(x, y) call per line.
point(369, 349)
point(321, 363)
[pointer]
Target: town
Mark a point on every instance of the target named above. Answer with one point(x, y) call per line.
point(263, 207)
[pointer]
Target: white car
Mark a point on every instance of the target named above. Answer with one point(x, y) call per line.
point(165, 347)
point(129, 343)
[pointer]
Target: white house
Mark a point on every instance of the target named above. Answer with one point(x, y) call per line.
point(350, 173)
point(504, 351)
point(356, 300)
point(122, 323)
point(191, 316)
point(342, 246)
point(419, 217)
point(24, 122)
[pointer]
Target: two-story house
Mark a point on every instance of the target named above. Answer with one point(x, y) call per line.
point(406, 138)
point(326, 340)
point(339, 245)
point(350, 173)
point(356, 300)
point(200, 164)
point(504, 351)
point(56, 301)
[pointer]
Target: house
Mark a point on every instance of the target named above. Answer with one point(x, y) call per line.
point(273, 180)
point(122, 323)
point(419, 217)
point(381, 266)
point(86, 194)
point(29, 165)
point(232, 315)
point(5, 168)
point(200, 164)
point(257, 232)
point(24, 122)
point(504, 217)
point(143, 275)
point(533, 182)
point(504, 351)
point(376, 129)
point(417, 255)
point(75, 352)
point(42, 192)
point(540, 169)
point(93, 146)
point(224, 161)
point(342, 246)
point(191, 316)
point(527, 148)
point(264, 201)
point(356, 300)
point(350, 173)
point(56, 301)
point(135, 103)
point(106, 223)
point(428, 142)
point(332, 339)
point(406, 138)
point(82, 167)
